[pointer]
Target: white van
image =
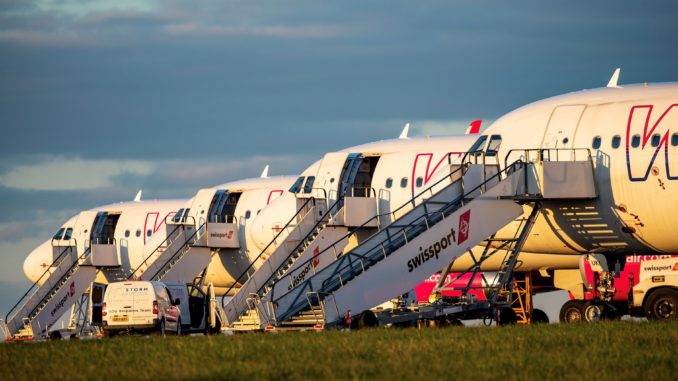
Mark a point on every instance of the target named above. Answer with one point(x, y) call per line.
point(139, 306)
point(194, 306)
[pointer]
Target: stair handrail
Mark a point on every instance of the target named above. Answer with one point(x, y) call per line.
point(59, 258)
point(310, 200)
point(164, 244)
point(376, 217)
point(544, 154)
point(52, 288)
point(340, 268)
point(188, 242)
point(299, 245)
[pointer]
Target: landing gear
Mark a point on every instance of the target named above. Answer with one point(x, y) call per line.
point(662, 305)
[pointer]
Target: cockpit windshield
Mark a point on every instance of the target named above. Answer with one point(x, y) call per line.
point(59, 234)
point(477, 147)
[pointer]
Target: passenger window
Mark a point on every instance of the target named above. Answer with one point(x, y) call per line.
point(655, 140)
point(248, 214)
point(674, 139)
point(309, 184)
point(403, 182)
point(296, 187)
point(616, 141)
point(149, 232)
point(596, 142)
point(419, 182)
point(635, 141)
point(126, 233)
point(69, 233)
point(59, 234)
point(493, 147)
point(389, 183)
point(138, 233)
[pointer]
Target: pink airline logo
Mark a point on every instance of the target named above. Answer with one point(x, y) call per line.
point(424, 167)
point(643, 124)
point(464, 226)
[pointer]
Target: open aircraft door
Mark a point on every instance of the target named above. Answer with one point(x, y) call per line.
point(96, 300)
point(329, 176)
point(212, 308)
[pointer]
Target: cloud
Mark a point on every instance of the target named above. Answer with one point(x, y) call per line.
point(61, 173)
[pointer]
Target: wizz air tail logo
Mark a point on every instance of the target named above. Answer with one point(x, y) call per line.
point(646, 122)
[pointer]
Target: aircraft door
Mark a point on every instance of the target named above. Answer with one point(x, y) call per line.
point(96, 300)
point(83, 227)
point(328, 175)
point(348, 175)
point(218, 202)
point(200, 206)
point(562, 127)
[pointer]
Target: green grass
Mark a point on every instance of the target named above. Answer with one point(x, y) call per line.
point(604, 351)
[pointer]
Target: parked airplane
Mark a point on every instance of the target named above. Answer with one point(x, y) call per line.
point(139, 227)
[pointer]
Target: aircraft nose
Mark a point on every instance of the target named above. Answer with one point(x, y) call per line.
point(38, 261)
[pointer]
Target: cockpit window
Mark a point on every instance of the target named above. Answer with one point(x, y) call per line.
point(69, 233)
point(59, 234)
point(309, 184)
point(478, 145)
point(493, 147)
point(296, 187)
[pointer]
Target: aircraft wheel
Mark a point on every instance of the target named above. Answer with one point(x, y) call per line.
point(367, 319)
point(662, 305)
point(539, 317)
point(572, 312)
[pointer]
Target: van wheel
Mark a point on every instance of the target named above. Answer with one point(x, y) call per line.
point(572, 312)
point(539, 317)
point(178, 327)
point(662, 305)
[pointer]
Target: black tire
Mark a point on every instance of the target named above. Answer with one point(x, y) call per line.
point(55, 335)
point(662, 305)
point(539, 317)
point(594, 312)
point(507, 316)
point(367, 319)
point(572, 312)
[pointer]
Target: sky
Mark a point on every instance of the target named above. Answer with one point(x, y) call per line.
point(101, 98)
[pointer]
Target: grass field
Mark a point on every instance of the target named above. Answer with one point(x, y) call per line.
point(604, 351)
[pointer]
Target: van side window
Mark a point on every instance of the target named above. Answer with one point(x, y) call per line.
point(596, 142)
point(635, 141)
point(616, 141)
point(296, 187)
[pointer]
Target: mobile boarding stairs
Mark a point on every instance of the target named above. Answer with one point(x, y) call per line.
point(464, 209)
point(178, 254)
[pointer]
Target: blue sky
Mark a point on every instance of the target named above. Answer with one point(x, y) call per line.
point(101, 98)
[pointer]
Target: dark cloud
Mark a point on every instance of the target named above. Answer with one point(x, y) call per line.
point(194, 85)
